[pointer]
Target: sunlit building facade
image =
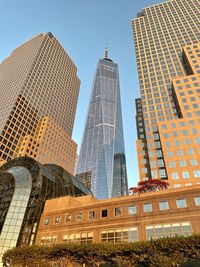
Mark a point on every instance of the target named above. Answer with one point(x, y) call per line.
point(166, 39)
point(143, 217)
point(102, 153)
point(39, 92)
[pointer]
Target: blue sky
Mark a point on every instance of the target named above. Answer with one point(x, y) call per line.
point(83, 27)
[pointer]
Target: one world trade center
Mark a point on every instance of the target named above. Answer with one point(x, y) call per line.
point(102, 163)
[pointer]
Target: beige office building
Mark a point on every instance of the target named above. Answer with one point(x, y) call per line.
point(166, 38)
point(121, 219)
point(39, 92)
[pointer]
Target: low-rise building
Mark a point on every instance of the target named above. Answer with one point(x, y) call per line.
point(129, 218)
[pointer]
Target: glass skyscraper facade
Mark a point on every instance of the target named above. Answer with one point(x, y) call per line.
point(102, 152)
point(166, 39)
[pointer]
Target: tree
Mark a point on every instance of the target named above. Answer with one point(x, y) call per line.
point(149, 185)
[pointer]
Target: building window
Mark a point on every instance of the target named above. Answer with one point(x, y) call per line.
point(80, 238)
point(182, 163)
point(196, 173)
point(68, 218)
point(132, 210)
point(57, 220)
point(48, 240)
point(175, 175)
point(182, 124)
point(172, 164)
point(168, 230)
point(190, 151)
point(187, 141)
point(152, 163)
point(177, 143)
point(162, 173)
point(185, 132)
point(170, 154)
point(46, 221)
point(167, 144)
point(120, 235)
point(104, 213)
point(177, 185)
point(181, 203)
point(154, 174)
point(194, 131)
point(118, 211)
point(197, 201)
point(173, 125)
point(163, 205)
point(159, 153)
point(91, 215)
point(79, 216)
point(186, 174)
point(179, 152)
point(144, 170)
point(147, 207)
point(193, 162)
point(197, 140)
point(166, 135)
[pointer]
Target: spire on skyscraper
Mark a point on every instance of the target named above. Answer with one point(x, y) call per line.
point(106, 51)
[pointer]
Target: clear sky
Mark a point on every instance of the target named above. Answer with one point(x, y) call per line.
point(83, 27)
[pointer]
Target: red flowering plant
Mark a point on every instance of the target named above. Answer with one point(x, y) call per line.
point(149, 185)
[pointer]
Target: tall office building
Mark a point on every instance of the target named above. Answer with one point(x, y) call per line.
point(102, 163)
point(166, 38)
point(39, 91)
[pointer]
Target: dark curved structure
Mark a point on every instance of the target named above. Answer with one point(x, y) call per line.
point(25, 185)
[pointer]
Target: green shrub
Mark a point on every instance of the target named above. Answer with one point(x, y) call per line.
point(165, 252)
point(191, 263)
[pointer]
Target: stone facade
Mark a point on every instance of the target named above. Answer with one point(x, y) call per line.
point(128, 218)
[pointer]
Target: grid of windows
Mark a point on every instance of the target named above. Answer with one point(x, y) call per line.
point(37, 90)
point(168, 230)
point(160, 33)
point(118, 211)
point(120, 235)
point(48, 240)
point(80, 238)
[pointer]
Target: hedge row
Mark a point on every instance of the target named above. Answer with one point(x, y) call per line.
point(165, 252)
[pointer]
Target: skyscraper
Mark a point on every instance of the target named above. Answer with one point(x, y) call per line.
point(39, 91)
point(102, 154)
point(166, 38)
